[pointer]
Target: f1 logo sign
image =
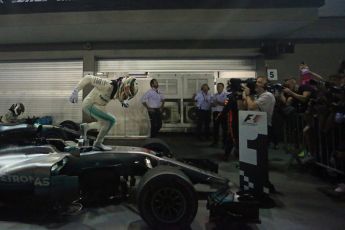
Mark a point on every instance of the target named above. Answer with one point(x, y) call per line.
point(252, 119)
point(251, 125)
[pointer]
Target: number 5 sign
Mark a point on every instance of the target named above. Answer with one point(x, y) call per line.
point(272, 74)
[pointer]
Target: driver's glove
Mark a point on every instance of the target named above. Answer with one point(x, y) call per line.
point(125, 104)
point(74, 96)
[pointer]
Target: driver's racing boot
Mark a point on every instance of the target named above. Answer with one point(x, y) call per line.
point(83, 131)
point(100, 146)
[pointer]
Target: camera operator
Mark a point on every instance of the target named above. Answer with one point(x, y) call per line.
point(265, 102)
point(230, 113)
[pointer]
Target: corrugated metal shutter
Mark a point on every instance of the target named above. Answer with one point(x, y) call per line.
point(43, 87)
point(175, 65)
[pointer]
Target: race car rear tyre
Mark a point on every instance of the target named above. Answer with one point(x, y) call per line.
point(70, 125)
point(54, 133)
point(167, 199)
point(159, 146)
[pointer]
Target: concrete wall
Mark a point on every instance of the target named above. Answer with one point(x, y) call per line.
point(323, 59)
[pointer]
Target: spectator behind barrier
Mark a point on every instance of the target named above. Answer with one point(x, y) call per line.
point(323, 121)
point(306, 74)
point(298, 97)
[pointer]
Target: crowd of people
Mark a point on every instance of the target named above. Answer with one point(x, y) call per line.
point(319, 105)
point(224, 107)
point(309, 97)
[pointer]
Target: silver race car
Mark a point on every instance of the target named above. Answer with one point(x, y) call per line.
point(163, 189)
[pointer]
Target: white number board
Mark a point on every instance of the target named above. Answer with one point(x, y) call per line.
point(272, 74)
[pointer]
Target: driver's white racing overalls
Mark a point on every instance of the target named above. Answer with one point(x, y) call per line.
point(94, 105)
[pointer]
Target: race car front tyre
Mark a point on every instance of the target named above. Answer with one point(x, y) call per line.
point(166, 198)
point(159, 146)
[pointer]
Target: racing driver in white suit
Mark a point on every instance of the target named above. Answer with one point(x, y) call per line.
point(124, 88)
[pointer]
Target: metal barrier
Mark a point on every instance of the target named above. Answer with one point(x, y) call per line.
point(326, 146)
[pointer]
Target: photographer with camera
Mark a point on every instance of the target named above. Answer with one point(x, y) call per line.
point(262, 101)
point(297, 97)
point(284, 99)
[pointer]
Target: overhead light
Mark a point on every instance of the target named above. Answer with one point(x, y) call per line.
point(138, 74)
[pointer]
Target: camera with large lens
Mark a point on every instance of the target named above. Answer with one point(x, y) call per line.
point(275, 88)
point(333, 90)
point(236, 85)
point(250, 83)
point(337, 90)
point(331, 96)
point(338, 98)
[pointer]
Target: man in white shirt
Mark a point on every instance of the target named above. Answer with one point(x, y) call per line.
point(264, 102)
point(217, 107)
point(153, 100)
point(203, 103)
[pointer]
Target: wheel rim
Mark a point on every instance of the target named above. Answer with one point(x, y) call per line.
point(168, 205)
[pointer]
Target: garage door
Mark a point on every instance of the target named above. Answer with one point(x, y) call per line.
point(43, 87)
point(175, 65)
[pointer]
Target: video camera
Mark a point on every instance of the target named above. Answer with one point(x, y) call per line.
point(337, 97)
point(330, 87)
point(332, 96)
point(236, 85)
point(337, 90)
point(275, 88)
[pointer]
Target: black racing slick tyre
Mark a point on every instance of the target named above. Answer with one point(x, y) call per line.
point(54, 133)
point(70, 125)
point(159, 146)
point(167, 199)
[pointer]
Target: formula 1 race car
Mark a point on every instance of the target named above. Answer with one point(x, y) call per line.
point(163, 188)
point(34, 133)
